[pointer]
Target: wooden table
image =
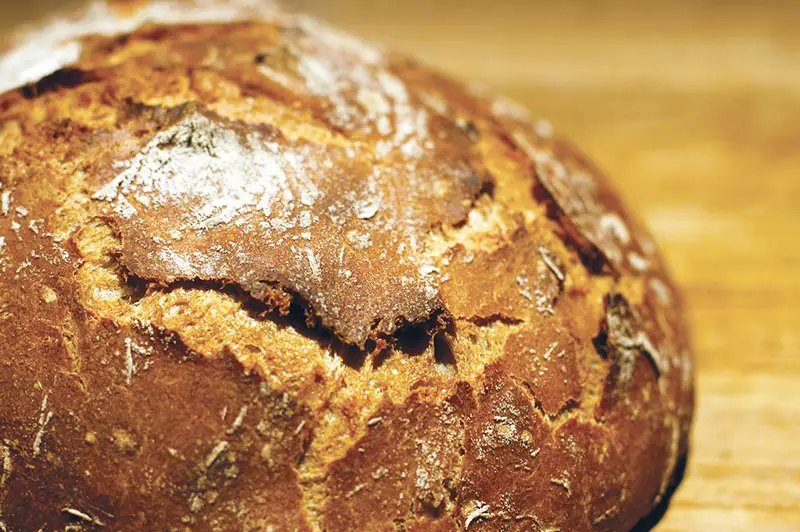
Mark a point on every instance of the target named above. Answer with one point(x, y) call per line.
point(694, 109)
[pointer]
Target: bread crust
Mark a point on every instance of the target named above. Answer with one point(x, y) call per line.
point(258, 275)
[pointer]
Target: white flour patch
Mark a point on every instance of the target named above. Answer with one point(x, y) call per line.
point(182, 165)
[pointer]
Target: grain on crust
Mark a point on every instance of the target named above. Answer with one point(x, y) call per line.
point(510, 354)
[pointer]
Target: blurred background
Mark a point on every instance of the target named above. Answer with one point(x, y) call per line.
point(693, 107)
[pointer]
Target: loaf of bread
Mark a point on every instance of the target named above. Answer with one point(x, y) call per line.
point(258, 275)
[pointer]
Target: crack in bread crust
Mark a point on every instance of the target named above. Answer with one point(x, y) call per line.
point(507, 350)
point(214, 200)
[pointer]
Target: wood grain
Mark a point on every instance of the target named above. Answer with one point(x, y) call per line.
point(694, 109)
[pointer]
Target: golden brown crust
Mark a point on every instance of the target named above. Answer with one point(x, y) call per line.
point(259, 274)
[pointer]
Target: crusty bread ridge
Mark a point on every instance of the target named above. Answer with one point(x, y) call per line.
point(258, 275)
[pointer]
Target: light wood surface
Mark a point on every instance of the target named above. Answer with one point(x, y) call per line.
point(694, 109)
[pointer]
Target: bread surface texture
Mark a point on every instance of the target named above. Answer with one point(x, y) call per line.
point(256, 274)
